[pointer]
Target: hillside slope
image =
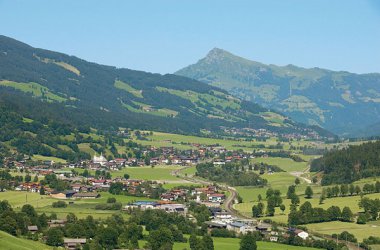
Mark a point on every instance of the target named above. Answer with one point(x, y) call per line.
point(341, 102)
point(70, 89)
point(9, 242)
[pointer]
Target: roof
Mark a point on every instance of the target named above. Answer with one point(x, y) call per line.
point(215, 224)
point(217, 195)
point(86, 195)
point(237, 224)
point(80, 240)
point(140, 203)
point(32, 228)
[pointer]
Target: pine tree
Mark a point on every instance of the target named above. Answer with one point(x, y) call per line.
point(308, 192)
point(248, 242)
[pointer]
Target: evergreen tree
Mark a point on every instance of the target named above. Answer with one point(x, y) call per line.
point(347, 214)
point(248, 242)
point(54, 237)
point(207, 242)
point(308, 192)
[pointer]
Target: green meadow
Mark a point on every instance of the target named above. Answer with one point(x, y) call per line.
point(10, 242)
point(233, 244)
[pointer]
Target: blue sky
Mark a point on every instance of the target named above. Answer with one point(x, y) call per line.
point(166, 35)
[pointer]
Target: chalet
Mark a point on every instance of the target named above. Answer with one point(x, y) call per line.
point(143, 205)
point(188, 160)
point(273, 238)
point(240, 227)
point(56, 223)
point(86, 195)
point(214, 210)
point(76, 187)
point(168, 196)
point(154, 161)
point(32, 229)
point(219, 162)
point(264, 228)
point(215, 224)
point(223, 216)
point(173, 208)
point(74, 243)
point(98, 182)
point(216, 197)
point(120, 161)
point(176, 161)
point(62, 194)
point(131, 162)
point(302, 234)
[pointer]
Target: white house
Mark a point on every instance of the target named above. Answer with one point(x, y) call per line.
point(304, 235)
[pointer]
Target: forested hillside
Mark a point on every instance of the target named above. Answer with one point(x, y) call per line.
point(350, 164)
point(46, 84)
point(342, 102)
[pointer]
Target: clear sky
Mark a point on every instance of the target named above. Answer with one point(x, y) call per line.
point(166, 35)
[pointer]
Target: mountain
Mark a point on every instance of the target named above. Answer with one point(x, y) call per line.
point(339, 101)
point(42, 84)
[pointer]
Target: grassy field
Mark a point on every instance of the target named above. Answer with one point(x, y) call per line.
point(148, 173)
point(17, 199)
point(9, 242)
point(47, 158)
point(360, 231)
point(33, 88)
point(82, 208)
point(175, 140)
point(233, 244)
point(285, 164)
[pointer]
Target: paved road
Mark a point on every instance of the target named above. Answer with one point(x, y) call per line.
point(228, 203)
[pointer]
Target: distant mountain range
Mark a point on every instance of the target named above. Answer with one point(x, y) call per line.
point(342, 102)
point(41, 83)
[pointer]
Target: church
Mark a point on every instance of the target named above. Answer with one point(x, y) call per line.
point(99, 160)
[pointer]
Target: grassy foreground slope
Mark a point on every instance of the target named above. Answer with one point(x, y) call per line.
point(9, 242)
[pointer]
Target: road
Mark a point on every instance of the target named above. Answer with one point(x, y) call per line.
point(228, 203)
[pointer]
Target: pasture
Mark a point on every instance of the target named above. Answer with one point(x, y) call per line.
point(233, 244)
point(10, 242)
point(360, 231)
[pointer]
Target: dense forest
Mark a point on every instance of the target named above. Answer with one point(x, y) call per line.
point(83, 93)
point(349, 164)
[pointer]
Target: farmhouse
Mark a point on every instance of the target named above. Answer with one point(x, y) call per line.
point(86, 195)
point(73, 243)
point(32, 229)
point(240, 227)
point(216, 197)
point(62, 194)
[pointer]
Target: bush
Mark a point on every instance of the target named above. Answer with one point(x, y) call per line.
point(59, 204)
point(224, 233)
point(109, 206)
point(362, 219)
point(111, 200)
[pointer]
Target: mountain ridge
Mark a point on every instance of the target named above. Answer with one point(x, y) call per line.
point(86, 92)
point(350, 101)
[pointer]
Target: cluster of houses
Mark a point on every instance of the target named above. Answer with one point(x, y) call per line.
point(223, 220)
point(205, 195)
point(69, 243)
